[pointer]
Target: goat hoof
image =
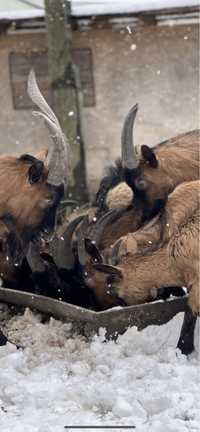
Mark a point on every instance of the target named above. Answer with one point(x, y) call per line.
point(186, 347)
point(3, 339)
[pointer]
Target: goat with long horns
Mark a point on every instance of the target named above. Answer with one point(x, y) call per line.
point(138, 184)
point(31, 189)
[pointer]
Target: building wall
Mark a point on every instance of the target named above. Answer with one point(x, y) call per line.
point(154, 66)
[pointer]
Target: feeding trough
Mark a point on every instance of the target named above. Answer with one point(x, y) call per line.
point(115, 320)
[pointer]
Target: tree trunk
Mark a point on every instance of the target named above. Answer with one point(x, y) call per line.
point(65, 91)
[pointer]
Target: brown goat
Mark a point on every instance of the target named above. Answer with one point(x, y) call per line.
point(150, 176)
point(31, 188)
point(162, 254)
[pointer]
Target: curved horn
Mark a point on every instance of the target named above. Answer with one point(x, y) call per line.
point(57, 157)
point(115, 252)
point(62, 253)
point(130, 157)
point(34, 259)
point(94, 232)
point(81, 233)
point(98, 228)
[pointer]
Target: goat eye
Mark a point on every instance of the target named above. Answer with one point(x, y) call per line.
point(35, 172)
point(140, 184)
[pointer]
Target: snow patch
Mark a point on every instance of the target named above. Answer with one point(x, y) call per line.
point(62, 379)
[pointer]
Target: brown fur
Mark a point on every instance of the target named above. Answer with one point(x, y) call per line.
point(25, 202)
point(178, 161)
point(170, 259)
point(99, 284)
point(128, 222)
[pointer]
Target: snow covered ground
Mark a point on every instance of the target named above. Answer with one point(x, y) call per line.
point(61, 379)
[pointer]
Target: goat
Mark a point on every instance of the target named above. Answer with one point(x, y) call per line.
point(140, 183)
point(140, 186)
point(31, 189)
point(34, 270)
point(164, 253)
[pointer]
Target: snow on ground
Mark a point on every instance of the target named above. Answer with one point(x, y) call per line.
point(60, 379)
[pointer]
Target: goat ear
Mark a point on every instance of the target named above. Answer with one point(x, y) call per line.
point(35, 172)
point(149, 156)
point(108, 269)
point(93, 251)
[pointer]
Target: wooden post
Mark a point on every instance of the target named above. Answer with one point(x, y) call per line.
point(65, 90)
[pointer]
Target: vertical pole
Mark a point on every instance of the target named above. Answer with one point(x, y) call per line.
point(65, 91)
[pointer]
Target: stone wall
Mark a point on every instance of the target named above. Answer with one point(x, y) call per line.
point(154, 66)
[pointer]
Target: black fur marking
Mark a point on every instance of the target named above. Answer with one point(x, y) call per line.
point(8, 219)
point(186, 339)
point(35, 172)
point(164, 293)
point(28, 158)
point(93, 251)
point(150, 211)
point(130, 175)
point(13, 247)
point(149, 156)
point(3, 339)
point(114, 176)
point(108, 269)
point(62, 284)
point(78, 293)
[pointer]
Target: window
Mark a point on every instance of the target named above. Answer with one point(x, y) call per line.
point(20, 65)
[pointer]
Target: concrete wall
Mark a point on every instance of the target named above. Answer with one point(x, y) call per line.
point(154, 66)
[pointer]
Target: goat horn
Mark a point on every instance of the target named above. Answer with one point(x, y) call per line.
point(94, 233)
point(57, 157)
point(34, 259)
point(130, 159)
point(97, 230)
point(63, 255)
point(115, 252)
point(81, 232)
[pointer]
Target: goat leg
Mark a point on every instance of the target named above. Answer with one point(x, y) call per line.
point(186, 339)
point(4, 340)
